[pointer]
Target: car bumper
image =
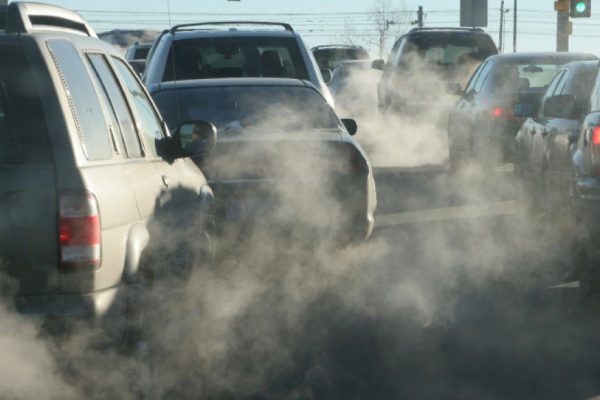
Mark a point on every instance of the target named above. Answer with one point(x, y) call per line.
point(84, 306)
point(246, 203)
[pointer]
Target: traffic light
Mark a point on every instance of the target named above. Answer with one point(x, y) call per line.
point(581, 8)
point(562, 5)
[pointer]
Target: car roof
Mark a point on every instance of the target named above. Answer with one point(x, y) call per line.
point(445, 30)
point(337, 46)
point(222, 82)
point(583, 65)
point(539, 57)
point(232, 32)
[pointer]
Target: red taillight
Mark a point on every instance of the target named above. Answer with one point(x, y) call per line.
point(79, 231)
point(501, 112)
point(497, 112)
point(596, 136)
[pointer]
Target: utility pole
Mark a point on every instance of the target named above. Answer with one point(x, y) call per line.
point(420, 15)
point(515, 27)
point(563, 24)
point(562, 31)
point(503, 12)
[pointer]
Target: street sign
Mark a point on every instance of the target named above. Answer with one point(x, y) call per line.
point(474, 13)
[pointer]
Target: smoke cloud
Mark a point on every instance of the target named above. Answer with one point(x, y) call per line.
point(449, 303)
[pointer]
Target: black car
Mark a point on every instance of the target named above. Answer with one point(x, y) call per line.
point(586, 165)
point(424, 58)
point(482, 126)
point(545, 143)
point(330, 56)
point(283, 155)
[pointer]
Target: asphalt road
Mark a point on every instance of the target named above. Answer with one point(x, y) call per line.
point(456, 296)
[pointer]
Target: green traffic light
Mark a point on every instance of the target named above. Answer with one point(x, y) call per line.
point(580, 7)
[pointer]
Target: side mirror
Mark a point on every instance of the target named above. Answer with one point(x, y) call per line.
point(327, 75)
point(378, 64)
point(195, 138)
point(524, 110)
point(350, 126)
point(455, 89)
point(561, 106)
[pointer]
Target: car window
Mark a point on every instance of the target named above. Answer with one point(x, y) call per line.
point(471, 85)
point(329, 58)
point(141, 52)
point(397, 55)
point(118, 105)
point(551, 91)
point(23, 132)
point(561, 86)
point(485, 71)
point(236, 109)
point(446, 49)
point(579, 85)
point(510, 77)
point(84, 102)
point(150, 123)
point(235, 57)
point(394, 51)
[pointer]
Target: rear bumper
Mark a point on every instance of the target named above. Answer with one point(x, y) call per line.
point(84, 306)
point(357, 197)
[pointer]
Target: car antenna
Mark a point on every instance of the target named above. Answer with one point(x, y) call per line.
point(173, 62)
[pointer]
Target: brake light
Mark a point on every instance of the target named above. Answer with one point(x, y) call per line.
point(596, 136)
point(501, 112)
point(497, 112)
point(79, 231)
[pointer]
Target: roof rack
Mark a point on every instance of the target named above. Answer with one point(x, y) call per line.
point(433, 28)
point(176, 28)
point(25, 17)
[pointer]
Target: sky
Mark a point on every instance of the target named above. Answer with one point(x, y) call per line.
point(340, 21)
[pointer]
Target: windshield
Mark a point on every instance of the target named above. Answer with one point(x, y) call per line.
point(235, 109)
point(449, 49)
point(235, 57)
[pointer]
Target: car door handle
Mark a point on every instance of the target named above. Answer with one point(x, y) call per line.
point(165, 181)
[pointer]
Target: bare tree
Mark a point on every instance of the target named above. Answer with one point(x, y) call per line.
point(389, 19)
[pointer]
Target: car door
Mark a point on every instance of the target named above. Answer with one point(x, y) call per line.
point(564, 132)
point(531, 142)
point(146, 183)
point(547, 128)
point(467, 109)
point(180, 189)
